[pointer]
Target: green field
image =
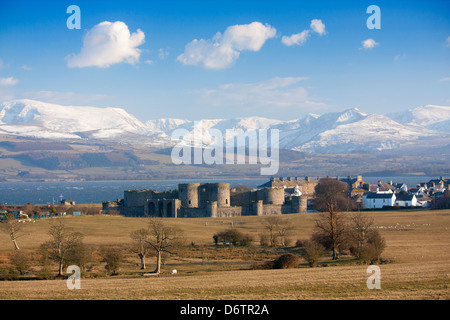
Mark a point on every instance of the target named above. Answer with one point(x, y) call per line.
point(417, 262)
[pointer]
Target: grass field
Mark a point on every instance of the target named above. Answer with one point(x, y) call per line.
point(417, 254)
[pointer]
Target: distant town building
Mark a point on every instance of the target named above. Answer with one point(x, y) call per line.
point(374, 200)
point(406, 200)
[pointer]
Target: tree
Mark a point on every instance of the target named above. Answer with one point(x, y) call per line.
point(12, 226)
point(313, 251)
point(61, 244)
point(20, 261)
point(113, 256)
point(79, 255)
point(331, 197)
point(140, 245)
point(360, 231)
point(163, 239)
point(270, 226)
point(279, 230)
point(370, 252)
point(367, 243)
point(284, 228)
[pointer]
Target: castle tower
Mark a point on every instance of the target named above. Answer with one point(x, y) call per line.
point(189, 194)
point(274, 196)
point(223, 194)
point(299, 204)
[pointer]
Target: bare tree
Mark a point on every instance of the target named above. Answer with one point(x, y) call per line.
point(60, 245)
point(12, 226)
point(331, 197)
point(163, 239)
point(270, 225)
point(361, 229)
point(368, 244)
point(284, 231)
point(140, 246)
point(279, 230)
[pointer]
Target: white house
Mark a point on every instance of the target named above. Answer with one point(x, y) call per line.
point(375, 200)
point(406, 200)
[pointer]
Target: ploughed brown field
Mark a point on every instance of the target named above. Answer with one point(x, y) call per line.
point(417, 262)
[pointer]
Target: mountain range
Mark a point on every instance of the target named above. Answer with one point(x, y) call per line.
point(336, 132)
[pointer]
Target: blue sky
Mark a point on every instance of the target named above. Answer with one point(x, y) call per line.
point(223, 59)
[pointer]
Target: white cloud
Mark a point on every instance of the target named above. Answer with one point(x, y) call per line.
point(318, 27)
point(223, 49)
point(444, 79)
point(267, 96)
point(7, 82)
point(299, 39)
point(296, 39)
point(26, 68)
point(369, 44)
point(108, 43)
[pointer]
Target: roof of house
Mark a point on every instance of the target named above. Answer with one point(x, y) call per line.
point(405, 197)
point(380, 195)
point(386, 186)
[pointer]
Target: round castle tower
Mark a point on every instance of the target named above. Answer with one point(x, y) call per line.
point(220, 192)
point(274, 196)
point(189, 194)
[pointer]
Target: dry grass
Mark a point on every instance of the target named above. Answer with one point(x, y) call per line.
point(417, 243)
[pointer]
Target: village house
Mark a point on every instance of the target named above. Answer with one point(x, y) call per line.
point(406, 200)
point(377, 200)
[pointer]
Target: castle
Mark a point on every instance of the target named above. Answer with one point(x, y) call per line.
point(278, 196)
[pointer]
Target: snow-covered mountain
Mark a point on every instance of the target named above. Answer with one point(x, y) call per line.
point(429, 116)
point(38, 119)
point(336, 132)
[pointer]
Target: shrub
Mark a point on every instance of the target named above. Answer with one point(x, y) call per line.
point(113, 258)
point(9, 274)
point(232, 236)
point(300, 243)
point(313, 251)
point(20, 262)
point(46, 274)
point(263, 266)
point(79, 255)
point(264, 239)
point(371, 251)
point(246, 240)
point(323, 240)
point(285, 261)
